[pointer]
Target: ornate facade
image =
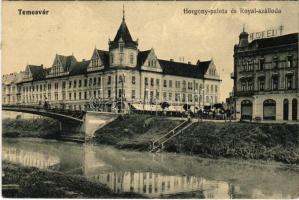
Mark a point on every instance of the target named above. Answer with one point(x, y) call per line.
point(123, 73)
point(266, 78)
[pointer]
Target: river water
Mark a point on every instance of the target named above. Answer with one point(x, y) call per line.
point(156, 175)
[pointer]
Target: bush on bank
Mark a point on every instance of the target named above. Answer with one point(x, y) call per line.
point(40, 127)
point(278, 142)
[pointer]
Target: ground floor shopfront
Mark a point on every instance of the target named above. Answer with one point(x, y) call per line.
point(268, 107)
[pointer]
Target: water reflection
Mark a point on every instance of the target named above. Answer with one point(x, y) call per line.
point(157, 185)
point(29, 158)
point(155, 175)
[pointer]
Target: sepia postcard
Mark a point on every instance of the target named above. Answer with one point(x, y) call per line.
point(150, 99)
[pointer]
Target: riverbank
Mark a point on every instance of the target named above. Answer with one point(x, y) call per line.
point(278, 142)
point(38, 127)
point(135, 131)
point(36, 183)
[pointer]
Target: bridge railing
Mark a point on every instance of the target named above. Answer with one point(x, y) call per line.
point(72, 113)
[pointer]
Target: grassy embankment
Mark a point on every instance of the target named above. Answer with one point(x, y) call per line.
point(40, 127)
point(35, 183)
point(279, 142)
point(134, 131)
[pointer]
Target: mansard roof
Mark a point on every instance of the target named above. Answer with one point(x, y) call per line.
point(275, 41)
point(184, 69)
point(123, 34)
point(79, 67)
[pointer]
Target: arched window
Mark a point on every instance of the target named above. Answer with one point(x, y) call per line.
point(285, 109)
point(294, 109)
point(269, 109)
point(246, 109)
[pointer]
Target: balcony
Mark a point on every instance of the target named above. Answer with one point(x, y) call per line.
point(244, 93)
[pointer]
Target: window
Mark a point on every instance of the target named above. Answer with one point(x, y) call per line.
point(275, 62)
point(170, 83)
point(151, 95)
point(290, 61)
point(146, 81)
point(85, 95)
point(109, 80)
point(177, 84)
point(157, 95)
point(133, 94)
point(80, 95)
point(177, 97)
point(262, 64)
point(249, 65)
point(165, 83)
point(94, 81)
point(261, 84)
point(207, 89)
point(184, 85)
point(190, 99)
point(275, 82)
point(170, 96)
point(152, 82)
point(133, 80)
point(75, 95)
point(243, 85)
point(63, 85)
point(146, 94)
point(99, 81)
point(195, 98)
point(164, 95)
point(212, 88)
point(157, 82)
point(85, 82)
point(70, 84)
point(109, 93)
point(111, 58)
point(75, 83)
point(90, 82)
point(289, 82)
point(70, 96)
point(131, 58)
point(250, 85)
point(216, 88)
point(121, 48)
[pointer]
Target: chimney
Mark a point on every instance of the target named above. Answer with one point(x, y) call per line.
point(189, 62)
point(171, 60)
point(41, 65)
point(83, 59)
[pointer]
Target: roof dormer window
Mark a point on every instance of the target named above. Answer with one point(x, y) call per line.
point(121, 47)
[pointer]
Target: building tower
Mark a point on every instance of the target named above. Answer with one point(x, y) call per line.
point(123, 49)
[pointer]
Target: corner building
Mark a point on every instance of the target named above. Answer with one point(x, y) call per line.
point(123, 73)
point(266, 78)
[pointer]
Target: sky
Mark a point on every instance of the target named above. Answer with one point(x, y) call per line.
point(77, 27)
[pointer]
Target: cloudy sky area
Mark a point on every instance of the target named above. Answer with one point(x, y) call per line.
point(77, 27)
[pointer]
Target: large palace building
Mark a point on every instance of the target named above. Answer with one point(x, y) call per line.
point(266, 78)
point(125, 73)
